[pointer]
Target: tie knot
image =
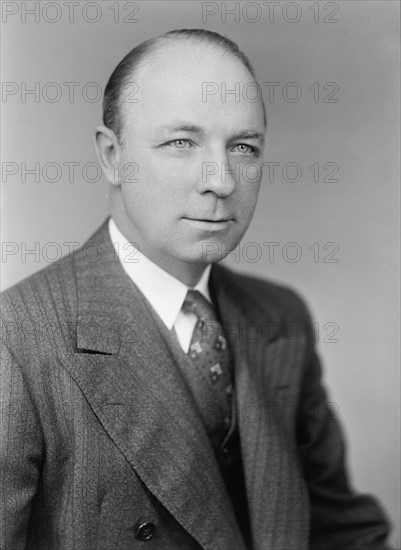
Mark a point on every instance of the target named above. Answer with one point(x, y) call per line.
point(196, 303)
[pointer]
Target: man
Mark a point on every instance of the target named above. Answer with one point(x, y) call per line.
point(136, 409)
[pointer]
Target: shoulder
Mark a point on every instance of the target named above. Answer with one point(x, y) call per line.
point(265, 295)
point(39, 291)
point(37, 313)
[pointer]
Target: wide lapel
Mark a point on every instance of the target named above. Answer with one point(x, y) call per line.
point(129, 377)
point(266, 367)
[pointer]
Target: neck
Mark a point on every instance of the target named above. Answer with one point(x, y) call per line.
point(187, 273)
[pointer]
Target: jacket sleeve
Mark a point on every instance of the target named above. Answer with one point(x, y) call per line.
point(21, 444)
point(340, 518)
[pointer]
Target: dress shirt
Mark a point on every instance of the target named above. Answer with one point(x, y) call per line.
point(165, 293)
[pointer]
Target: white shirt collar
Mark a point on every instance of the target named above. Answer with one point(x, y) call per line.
point(165, 293)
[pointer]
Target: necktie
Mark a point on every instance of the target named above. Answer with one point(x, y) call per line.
point(211, 355)
point(209, 352)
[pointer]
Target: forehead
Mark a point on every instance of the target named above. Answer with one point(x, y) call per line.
point(201, 84)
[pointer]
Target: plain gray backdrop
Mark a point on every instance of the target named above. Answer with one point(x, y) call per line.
point(332, 207)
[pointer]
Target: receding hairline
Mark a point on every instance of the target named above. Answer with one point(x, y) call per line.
point(162, 43)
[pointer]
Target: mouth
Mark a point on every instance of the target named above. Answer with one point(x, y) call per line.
point(210, 220)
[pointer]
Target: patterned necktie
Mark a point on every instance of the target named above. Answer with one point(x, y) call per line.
point(209, 351)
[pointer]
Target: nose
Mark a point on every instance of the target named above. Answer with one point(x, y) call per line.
point(219, 175)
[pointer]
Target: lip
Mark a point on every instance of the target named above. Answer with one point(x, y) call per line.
point(222, 220)
point(209, 223)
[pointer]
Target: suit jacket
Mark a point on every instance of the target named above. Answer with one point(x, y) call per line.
point(102, 446)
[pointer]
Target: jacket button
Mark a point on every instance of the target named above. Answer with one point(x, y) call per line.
point(145, 530)
point(225, 455)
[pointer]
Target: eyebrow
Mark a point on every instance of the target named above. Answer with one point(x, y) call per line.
point(250, 134)
point(180, 127)
point(185, 127)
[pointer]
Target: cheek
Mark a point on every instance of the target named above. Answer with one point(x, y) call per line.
point(151, 206)
point(249, 196)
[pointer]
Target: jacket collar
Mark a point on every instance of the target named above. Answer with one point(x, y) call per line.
point(129, 377)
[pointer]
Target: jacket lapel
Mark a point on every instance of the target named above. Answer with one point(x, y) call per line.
point(266, 367)
point(130, 379)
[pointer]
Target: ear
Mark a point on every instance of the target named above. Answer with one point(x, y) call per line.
point(109, 153)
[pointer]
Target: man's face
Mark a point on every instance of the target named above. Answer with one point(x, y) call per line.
point(199, 158)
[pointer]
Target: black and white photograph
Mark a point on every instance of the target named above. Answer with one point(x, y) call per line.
point(200, 275)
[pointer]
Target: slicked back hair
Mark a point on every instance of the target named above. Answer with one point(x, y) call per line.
point(123, 73)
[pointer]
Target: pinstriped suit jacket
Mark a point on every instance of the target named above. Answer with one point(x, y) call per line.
point(99, 431)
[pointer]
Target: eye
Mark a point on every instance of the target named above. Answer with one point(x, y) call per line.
point(244, 148)
point(180, 144)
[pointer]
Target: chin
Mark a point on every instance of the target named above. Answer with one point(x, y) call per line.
point(208, 252)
